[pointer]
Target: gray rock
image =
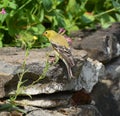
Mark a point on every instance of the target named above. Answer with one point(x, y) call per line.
point(107, 98)
point(5, 114)
point(11, 62)
point(12, 113)
point(113, 68)
point(102, 45)
point(72, 111)
point(106, 93)
point(91, 70)
point(60, 99)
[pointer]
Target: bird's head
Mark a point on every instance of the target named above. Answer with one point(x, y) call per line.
point(50, 34)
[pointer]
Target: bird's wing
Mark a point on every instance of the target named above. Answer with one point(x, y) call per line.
point(65, 53)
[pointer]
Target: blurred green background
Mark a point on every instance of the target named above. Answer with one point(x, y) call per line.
point(24, 21)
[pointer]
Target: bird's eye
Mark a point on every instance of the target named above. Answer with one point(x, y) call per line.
point(46, 32)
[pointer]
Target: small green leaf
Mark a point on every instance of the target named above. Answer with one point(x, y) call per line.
point(70, 25)
point(117, 17)
point(12, 5)
point(1, 36)
point(47, 4)
point(5, 3)
point(60, 21)
point(71, 5)
point(38, 30)
point(106, 20)
point(41, 15)
point(87, 18)
point(3, 17)
point(115, 3)
point(1, 44)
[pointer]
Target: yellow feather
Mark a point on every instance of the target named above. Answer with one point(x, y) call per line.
point(56, 38)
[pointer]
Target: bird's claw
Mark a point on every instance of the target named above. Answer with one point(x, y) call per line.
point(52, 59)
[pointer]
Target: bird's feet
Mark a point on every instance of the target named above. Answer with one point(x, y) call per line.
point(53, 59)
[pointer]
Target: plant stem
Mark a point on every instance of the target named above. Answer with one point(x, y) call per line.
point(20, 82)
point(108, 11)
point(23, 6)
point(42, 76)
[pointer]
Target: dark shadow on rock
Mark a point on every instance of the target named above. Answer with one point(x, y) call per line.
point(104, 100)
point(28, 78)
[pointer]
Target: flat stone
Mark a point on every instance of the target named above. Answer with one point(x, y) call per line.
point(56, 79)
point(72, 111)
point(60, 99)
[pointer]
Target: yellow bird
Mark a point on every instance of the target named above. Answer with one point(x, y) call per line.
point(61, 46)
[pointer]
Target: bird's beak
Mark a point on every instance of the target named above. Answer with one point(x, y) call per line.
point(43, 34)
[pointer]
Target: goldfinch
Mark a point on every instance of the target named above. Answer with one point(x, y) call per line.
point(61, 46)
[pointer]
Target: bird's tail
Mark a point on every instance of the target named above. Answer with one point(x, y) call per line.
point(69, 70)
